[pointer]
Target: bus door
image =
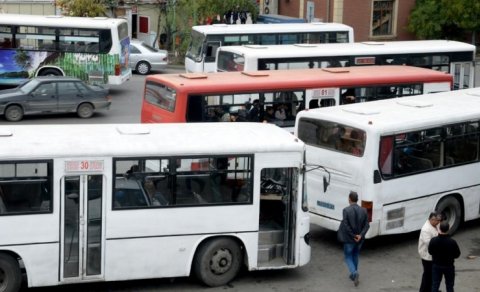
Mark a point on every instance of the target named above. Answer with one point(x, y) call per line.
point(279, 193)
point(211, 48)
point(82, 236)
point(463, 75)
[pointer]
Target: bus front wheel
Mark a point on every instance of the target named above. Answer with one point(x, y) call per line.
point(10, 274)
point(451, 211)
point(218, 261)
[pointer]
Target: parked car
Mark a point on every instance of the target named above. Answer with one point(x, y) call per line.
point(53, 94)
point(144, 58)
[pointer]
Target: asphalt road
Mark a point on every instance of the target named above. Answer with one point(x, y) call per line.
point(387, 264)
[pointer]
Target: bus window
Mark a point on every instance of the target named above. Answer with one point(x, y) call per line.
point(25, 188)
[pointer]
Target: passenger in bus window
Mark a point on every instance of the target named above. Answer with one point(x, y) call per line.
point(254, 112)
point(335, 139)
point(281, 113)
point(134, 169)
point(348, 96)
point(7, 43)
point(269, 115)
point(156, 198)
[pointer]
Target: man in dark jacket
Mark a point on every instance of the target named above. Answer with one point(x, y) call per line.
point(444, 251)
point(351, 233)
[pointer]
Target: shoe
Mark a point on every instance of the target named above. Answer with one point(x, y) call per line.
point(351, 276)
point(355, 280)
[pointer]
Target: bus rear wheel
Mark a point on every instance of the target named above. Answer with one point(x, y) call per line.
point(218, 261)
point(451, 211)
point(10, 274)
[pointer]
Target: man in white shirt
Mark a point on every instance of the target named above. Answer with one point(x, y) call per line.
point(429, 230)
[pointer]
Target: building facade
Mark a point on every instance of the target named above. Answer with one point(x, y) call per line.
point(372, 20)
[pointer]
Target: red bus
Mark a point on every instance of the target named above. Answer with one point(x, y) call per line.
point(277, 96)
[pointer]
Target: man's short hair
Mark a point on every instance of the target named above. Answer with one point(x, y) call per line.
point(434, 214)
point(444, 227)
point(353, 196)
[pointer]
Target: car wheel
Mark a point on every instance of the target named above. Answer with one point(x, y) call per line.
point(10, 274)
point(143, 68)
point(14, 113)
point(218, 261)
point(50, 72)
point(451, 211)
point(85, 110)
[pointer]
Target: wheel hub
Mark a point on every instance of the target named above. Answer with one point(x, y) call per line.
point(221, 261)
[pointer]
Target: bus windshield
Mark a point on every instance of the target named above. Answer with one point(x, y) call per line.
point(332, 136)
point(195, 49)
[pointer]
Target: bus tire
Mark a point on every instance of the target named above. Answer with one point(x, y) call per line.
point(50, 72)
point(14, 113)
point(85, 110)
point(218, 261)
point(10, 274)
point(451, 211)
point(143, 68)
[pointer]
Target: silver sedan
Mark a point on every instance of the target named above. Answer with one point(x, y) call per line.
point(144, 58)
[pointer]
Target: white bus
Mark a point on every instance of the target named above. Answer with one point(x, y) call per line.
point(95, 49)
point(405, 157)
point(89, 203)
point(206, 39)
point(456, 58)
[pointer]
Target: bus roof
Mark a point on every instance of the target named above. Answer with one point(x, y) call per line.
point(396, 115)
point(298, 78)
point(347, 49)
point(270, 28)
point(49, 141)
point(60, 21)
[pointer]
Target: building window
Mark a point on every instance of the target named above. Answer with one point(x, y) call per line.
point(383, 17)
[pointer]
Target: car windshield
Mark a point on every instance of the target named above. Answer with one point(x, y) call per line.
point(29, 85)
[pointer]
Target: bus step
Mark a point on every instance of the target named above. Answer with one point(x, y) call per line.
point(270, 236)
point(268, 252)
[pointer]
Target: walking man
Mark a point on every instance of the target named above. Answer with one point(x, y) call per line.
point(429, 231)
point(444, 251)
point(351, 233)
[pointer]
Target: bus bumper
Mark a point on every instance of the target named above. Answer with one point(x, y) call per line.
point(117, 80)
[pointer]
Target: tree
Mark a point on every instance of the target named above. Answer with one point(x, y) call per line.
point(465, 14)
point(435, 19)
point(86, 8)
point(180, 15)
